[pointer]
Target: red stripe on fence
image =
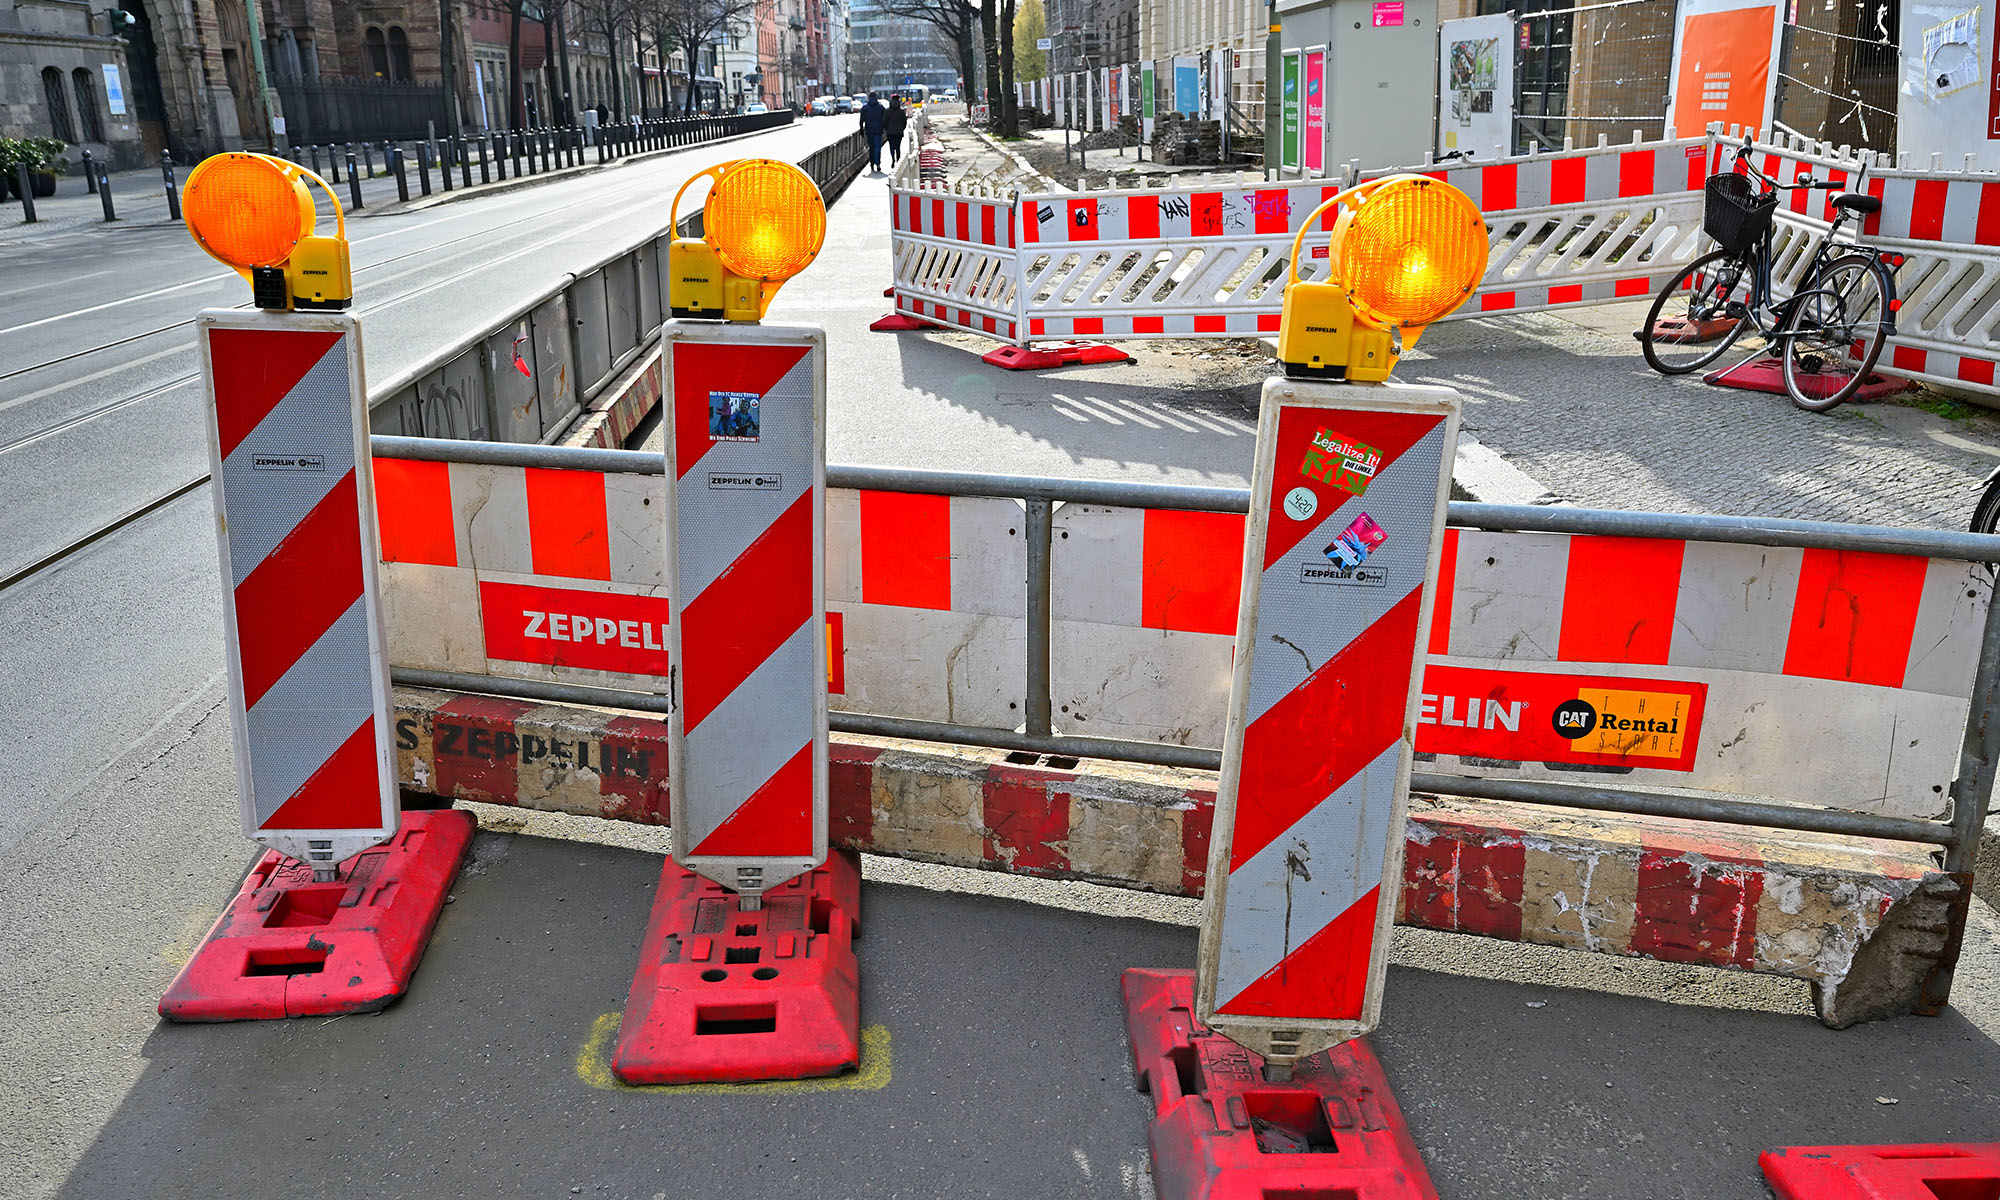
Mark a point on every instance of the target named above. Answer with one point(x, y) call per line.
point(1927, 209)
point(1270, 322)
point(937, 218)
point(1908, 358)
point(1082, 221)
point(1272, 210)
point(1142, 217)
point(1496, 300)
point(413, 512)
point(1088, 325)
point(1975, 370)
point(1205, 214)
point(1618, 599)
point(1566, 180)
point(1440, 642)
point(964, 221)
point(1190, 576)
point(1873, 223)
point(1569, 293)
point(1635, 173)
point(1149, 325)
point(1853, 616)
point(1209, 323)
point(906, 550)
point(1632, 287)
point(1497, 187)
point(566, 523)
point(1987, 230)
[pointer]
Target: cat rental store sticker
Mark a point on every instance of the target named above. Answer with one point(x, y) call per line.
point(1531, 716)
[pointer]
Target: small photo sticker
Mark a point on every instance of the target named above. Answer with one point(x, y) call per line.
point(1361, 538)
point(733, 417)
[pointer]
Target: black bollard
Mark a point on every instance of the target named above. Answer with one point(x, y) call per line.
point(104, 192)
point(514, 150)
point(173, 187)
point(465, 161)
point(26, 188)
point(353, 183)
point(603, 150)
point(314, 151)
point(424, 168)
point(368, 158)
point(485, 157)
point(444, 163)
point(89, 175)
point(401, 173)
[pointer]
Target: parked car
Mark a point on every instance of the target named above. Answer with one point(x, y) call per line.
point(755, 108)
point(820, 107)
point(843, 104)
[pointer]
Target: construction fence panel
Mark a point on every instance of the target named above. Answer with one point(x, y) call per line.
point(1835, 678)
point(955, 260)
point(557, 576)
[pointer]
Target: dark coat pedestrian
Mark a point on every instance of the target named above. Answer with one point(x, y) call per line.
point(872, 117)
point(894, 122)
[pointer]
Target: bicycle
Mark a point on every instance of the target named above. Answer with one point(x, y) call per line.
point(1829, 332)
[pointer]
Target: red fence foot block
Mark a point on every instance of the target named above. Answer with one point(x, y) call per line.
point(1054, 354)
point(728, 995)
point(289, 947)
point(1767, 374)
point(1680, 329)
point(1969, 1171)
point(899, 323)
point(1220, 1132)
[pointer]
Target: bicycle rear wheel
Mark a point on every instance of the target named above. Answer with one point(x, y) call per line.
point(1698, 316)
point(1835, 331)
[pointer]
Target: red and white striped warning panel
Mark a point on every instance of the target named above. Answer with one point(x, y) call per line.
point(1787, 673)
point(308, 672)
point(973, 220)
point(746, 527)
point(1347, 511)
point(556, 575)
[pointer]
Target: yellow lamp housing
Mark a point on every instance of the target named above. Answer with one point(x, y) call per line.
point(764, 222)
point(1405, 250)
point(253, 213)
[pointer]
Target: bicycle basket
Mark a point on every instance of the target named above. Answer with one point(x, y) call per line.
point(1735, 214)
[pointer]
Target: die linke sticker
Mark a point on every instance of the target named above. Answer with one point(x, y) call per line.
point(1346, 464)
point(1534, 716)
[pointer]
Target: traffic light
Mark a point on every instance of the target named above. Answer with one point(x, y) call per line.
point(1405, 250)
point(763, 223)
point(119, 21)
point(253, 212)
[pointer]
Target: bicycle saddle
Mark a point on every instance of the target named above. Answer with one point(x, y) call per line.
point(1855, 202)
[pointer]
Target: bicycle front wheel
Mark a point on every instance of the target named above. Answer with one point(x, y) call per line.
point(1836, 330)
point(1699, 315)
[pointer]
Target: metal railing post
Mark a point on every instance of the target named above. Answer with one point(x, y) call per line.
point(1971, 798)
point(104, 192)
point(1040, 529)
point(464, 160)
point(353, 183)
point(89, 175)
point(423, 167)
point(27, 190)
point(173, 186)
point(402, 174)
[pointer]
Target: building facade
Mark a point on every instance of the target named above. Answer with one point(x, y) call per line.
point(64, 74)
point(885, 51)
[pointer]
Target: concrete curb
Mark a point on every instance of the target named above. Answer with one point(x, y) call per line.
point(1859, 920)
point(621, 405)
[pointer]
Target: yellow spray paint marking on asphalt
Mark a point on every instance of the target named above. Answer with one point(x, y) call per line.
point(593, 1066)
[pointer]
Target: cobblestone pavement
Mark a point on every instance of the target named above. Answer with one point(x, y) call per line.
point(1568, 399)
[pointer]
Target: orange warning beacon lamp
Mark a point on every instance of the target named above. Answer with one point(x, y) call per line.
point(253, 212)
point(763, 223)
point(1405, 251)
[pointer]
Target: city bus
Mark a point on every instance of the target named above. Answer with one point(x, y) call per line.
point(916, 95)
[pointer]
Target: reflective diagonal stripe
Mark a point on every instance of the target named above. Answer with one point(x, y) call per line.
point(288, 601)
point(749, 736)
point(308, 712)
point(299, 451)
point(776, 819)
point(752, 608)
point(344, 793)
point(1307, 876)
point(253, 369)
point(762, 479)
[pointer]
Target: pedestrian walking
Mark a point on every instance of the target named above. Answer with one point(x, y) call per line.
point(873, 116)
point(893, 123)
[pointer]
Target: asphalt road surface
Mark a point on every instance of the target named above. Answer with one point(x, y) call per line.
point(998, 1065)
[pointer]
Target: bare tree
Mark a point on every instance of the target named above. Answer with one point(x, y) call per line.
point(690, 25)
point(955, 19)
point(610, 20)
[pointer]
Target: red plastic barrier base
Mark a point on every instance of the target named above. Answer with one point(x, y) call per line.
point(900, 323)
point(1967, 1171)
point(1682, 330)
point(1054, 354)
point(1220, 1132)
point(728, 995)
point(1767, 374)
point(289, 947)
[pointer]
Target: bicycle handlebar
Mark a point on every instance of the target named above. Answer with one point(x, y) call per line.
point(1804, 181)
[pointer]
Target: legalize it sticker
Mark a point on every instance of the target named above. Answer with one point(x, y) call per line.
point(1347, 465)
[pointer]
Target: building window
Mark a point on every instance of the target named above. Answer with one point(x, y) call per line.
point(52, 91)
point(378, 52)
point(399, 55)
point(86, 105)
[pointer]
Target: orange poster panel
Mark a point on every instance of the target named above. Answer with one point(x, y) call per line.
point(1725, 68)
